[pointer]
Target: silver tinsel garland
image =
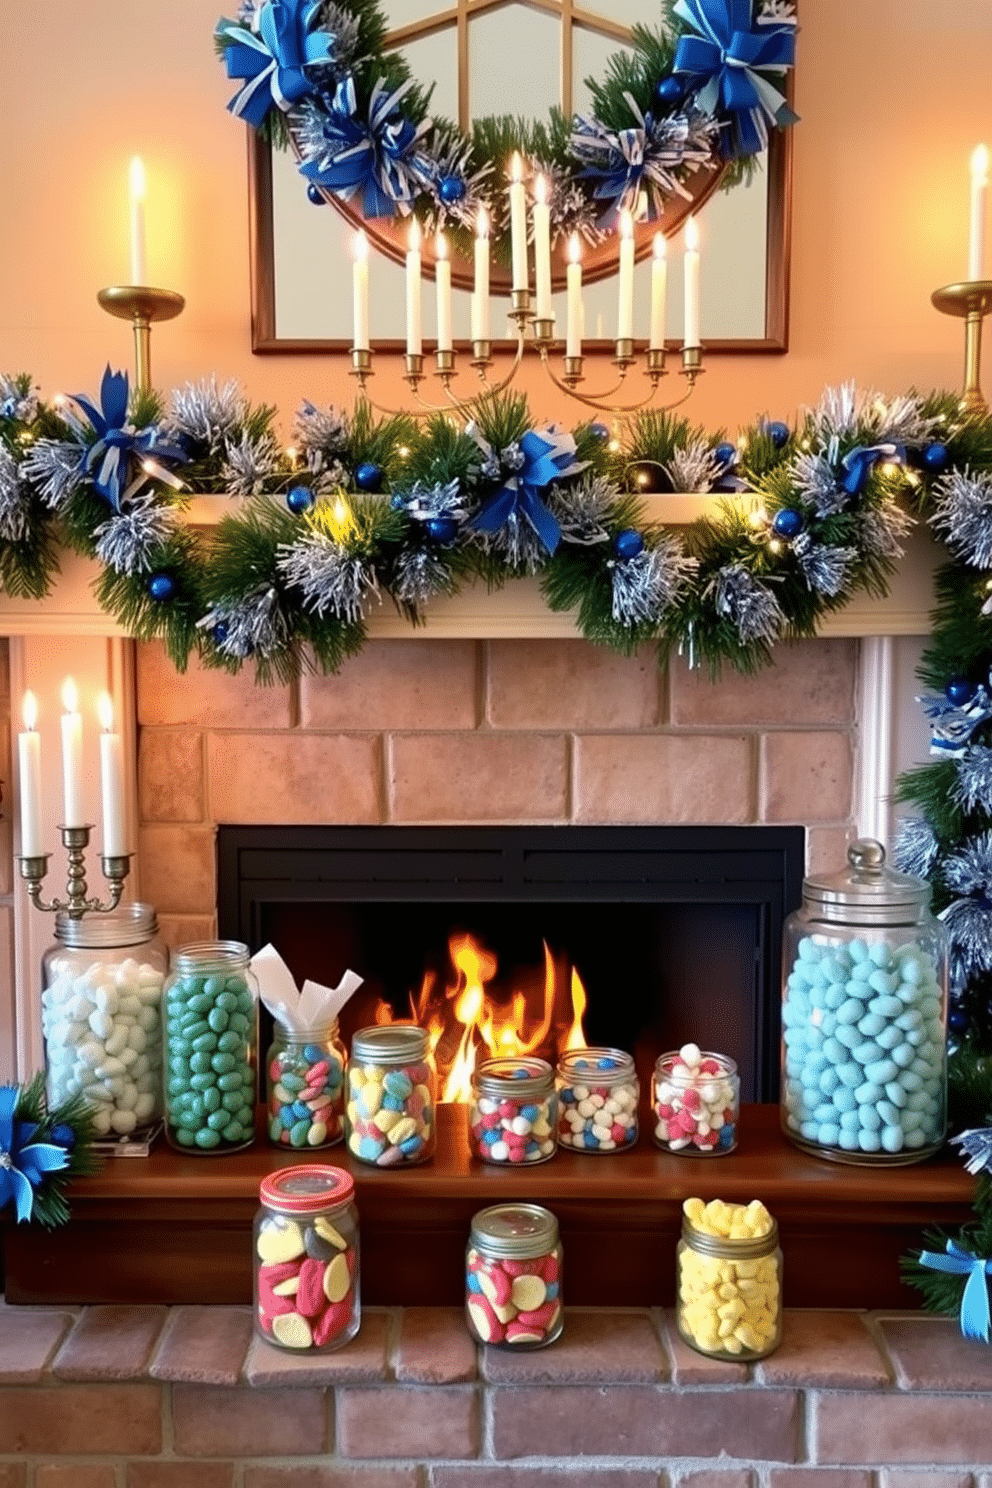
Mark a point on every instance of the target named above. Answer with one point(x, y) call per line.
point(15, 499)
point(746, 601)
point(645, 586)
point(129, 542)
point(969, 870)
point(517, 544)
point(423, 569)
point(250, 461)
point(583, 512)
point(973, 788)
point(330, 576)
point(569, 209)
point(694, 468)
point(18, 399)
point(881, 530)
point(251, 625)
point(824, 568)
point(963, 514)
point(207, 412)
point(977, 1144)
point(915, 848)
point(447, 155)
point(54, 466)
point(322, 434)
point(651, 156)
point(847, 410)
point(815, 480)
point(421, 574)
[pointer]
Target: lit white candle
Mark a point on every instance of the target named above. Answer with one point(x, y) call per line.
point(414, 332)
point(360, 287)
point(111, 781)
point(72, 757)
point(976, 226)
point(542, 251)
point(573, 281)
point(480, 294)
point(137, 193)
point(442, 280)
point(659, 293)
point(625, 283)
point(690, 334)
point(29, 759)
point(518, 223)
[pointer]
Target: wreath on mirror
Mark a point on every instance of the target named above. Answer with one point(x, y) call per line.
point(702, 90)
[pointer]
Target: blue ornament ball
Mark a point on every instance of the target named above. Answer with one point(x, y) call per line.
point(777, 432)
point(315, 196)
point(368, 476)
point(725, 453)
point(959, 691)
point(957, 1020)
point(628, 543)
point(300, 499)
point(397, 502)
point(451, 189)
point(219, 633)
point(935, 457)
point(442, 529)
point(599, 431)
point(161, 586)
point(787, 522)
point(668, 90)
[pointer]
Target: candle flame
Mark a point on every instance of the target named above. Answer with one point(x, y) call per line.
point(441, 246)
point(137, 174)
point(29, 710)
point(361, 247)
point(70, 697)
point(574, 249)
point(691, 235)
point(413, 240)
point(482, 223)
point(660, 246)
point(980, 164)
point(516, 167)
point(626, 224)
point(105, 712)
point(540, 190)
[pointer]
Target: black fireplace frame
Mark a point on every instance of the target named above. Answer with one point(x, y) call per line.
point(754, 866)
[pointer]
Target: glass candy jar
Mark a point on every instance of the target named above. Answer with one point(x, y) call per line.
point(696, 1100)
point(729, 1282)
point(304, 1083)
point(513, 1277)
point(598, 1093)
point(864, 1016)
point(306, 1259)
point(101, 1017)
point(211, 1017)
point(389, 1117)
point(513, 1114)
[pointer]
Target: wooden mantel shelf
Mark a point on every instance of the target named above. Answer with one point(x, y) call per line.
point(517, 611)
point(176, 1229)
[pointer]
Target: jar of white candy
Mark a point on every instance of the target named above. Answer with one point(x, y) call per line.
point(864, 1016)
point(513, 1114)
point(729, 1280)
point(696, 1099)
point(513, 1277)
point(306, 1259)
point(389, 1116)
point(101, 1017)
point(598, 1093)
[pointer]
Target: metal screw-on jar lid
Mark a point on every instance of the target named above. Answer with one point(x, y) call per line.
point(390, 1043)
point(128, 924)
point(520, 1231)
point(867, 891)
point(514, 1077)
point(725, 1247)
point(307, 1189)
point(598, 1066)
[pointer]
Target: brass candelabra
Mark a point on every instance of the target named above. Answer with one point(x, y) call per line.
point(77, 901)
point(970, 302)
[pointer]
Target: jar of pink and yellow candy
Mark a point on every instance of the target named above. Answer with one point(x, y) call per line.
point(304, 1086)
point(389, 1114)
point(696, 1099)
point(306, 1259)
point(513, 1277)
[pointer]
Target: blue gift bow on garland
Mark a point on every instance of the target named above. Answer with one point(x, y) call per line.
point(547, 456)
point(859, 462)
point(624, 161)
point(23, 1163)
point(374, 157)
point(975, 1317)
point(273, 62)
point(725, 61)
point(108, 460)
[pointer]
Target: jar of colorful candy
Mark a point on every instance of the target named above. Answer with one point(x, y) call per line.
point(864, 1016)
point(211, 1018)
point(513, 1115)
point(304, 1077)
point(389, 1117)
point(696, 1099)
point(306, 1259)
point(729, 1282)
point(598, 1093)
point(513, 1277)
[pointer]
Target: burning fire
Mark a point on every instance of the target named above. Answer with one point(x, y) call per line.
point(465, 1023)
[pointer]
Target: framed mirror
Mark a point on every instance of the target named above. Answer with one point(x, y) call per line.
point(301, 252)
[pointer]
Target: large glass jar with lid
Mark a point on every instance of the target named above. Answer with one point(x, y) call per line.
point(306, 1259)
point(304, 1085)
point(101, 1017)
point(513, 1268)
point(864, 1016)
point(389, 1116)
point(211, 1035)
point(513, 1114)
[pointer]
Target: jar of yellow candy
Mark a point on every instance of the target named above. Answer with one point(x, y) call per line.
point(729, 1280)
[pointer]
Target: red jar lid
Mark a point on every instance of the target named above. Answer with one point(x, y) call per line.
point(306, 1189)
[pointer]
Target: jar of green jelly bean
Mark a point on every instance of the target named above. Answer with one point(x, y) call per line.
point(304, 1086)
point(210, 1039)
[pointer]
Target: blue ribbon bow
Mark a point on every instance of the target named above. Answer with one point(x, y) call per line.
point(23, 1163)
point(273, 60)
point(374, 157)
point(859, 462)
point(547, 456)
point(726, 61)
point(109, 459)
point(975, 1318)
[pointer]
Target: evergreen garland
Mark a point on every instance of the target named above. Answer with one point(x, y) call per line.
point(45, 1149)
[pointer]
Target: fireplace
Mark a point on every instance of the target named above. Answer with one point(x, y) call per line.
point(675, 933)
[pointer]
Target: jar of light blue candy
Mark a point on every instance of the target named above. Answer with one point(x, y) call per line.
point(864, 1016)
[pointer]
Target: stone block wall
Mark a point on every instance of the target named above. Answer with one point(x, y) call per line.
point(423, 731)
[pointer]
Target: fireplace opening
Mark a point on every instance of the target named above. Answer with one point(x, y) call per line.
point(671, 933)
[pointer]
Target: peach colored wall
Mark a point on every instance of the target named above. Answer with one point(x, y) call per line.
point(893, 95)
